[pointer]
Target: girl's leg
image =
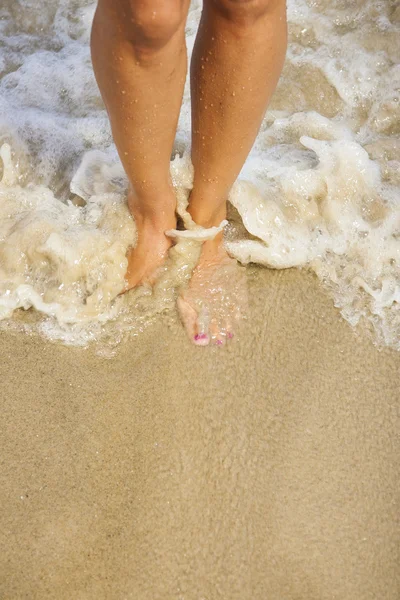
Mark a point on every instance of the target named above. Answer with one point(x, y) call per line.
point(139, 59)
point(237, 59)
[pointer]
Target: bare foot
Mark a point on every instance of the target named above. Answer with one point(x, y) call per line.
point(216, 297)
point(151, 249)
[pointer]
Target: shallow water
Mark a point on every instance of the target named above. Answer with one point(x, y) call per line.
point(320, 189)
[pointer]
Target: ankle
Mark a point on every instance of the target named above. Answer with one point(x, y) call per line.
point(157, 214)
point(149, 226)
point(205, 216)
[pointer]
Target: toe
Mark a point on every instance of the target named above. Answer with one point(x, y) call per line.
point(214, 329)
point(201, 339)
point(189, 318)
point(228, 330)
point(217, 334)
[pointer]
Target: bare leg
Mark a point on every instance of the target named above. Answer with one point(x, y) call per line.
point(237, 59)
point(139, 58)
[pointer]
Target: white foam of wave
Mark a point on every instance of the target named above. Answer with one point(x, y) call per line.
point(319, 190)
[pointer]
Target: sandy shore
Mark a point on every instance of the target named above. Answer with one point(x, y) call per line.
point(268, 470)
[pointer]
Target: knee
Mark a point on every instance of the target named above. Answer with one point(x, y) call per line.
point(244, 12)
point(152, 23)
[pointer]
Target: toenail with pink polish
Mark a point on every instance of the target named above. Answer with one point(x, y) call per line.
point(200, 336)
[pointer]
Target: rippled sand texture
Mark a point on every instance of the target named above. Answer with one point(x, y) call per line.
point(269, 470)
point(320, 188)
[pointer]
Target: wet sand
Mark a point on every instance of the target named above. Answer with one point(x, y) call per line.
point(268, 470)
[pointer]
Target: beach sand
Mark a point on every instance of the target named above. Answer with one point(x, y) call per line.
point(266, 470)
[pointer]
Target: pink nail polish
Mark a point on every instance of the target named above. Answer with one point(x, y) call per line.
point(201, 339)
